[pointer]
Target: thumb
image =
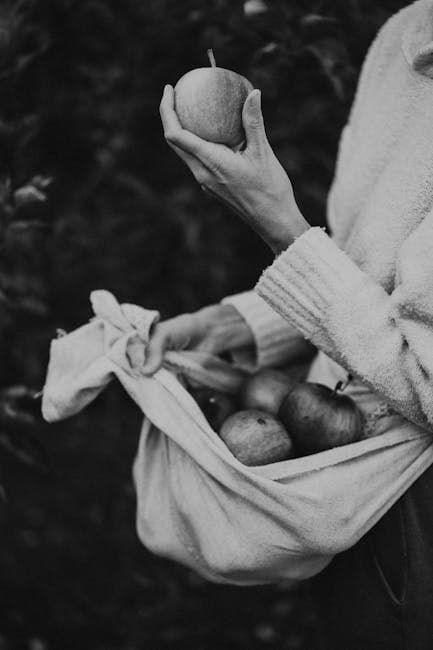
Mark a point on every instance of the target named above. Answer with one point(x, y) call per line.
point(154, 354)
point(252, 119)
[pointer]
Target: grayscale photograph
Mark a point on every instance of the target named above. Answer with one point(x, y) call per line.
point(216, 325)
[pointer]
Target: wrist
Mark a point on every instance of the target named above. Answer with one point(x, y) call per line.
point(289, 229)
point(228, 329)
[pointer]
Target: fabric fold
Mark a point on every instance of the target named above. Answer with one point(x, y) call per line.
point(196, 503)
point(417, 40)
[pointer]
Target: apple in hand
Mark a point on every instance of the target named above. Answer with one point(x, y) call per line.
point(320, 418)
point(256, 438)
point(209, 102)
point(266, 390)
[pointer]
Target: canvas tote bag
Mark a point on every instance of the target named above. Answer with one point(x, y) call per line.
point(196, 503)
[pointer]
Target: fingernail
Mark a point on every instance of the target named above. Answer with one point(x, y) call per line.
point(254, 96)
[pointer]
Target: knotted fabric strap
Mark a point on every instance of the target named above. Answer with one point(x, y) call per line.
point(83, 362)
point(131, 321)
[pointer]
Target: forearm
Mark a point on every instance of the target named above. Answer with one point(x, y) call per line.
point(275, 341)
point(381, 338)
point(225, 327)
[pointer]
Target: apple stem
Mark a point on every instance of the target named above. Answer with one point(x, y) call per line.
point(342, 385)
point(211, 56)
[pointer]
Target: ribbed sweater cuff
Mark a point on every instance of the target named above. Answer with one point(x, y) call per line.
point(276, 341)
point(306, 281)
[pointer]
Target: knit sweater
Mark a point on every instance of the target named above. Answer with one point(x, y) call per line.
point(364, 295)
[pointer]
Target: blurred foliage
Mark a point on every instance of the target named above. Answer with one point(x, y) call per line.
point(91, 197)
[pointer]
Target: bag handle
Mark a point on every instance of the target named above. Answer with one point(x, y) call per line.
point(205, 369)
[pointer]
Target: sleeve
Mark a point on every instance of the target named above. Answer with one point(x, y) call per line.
point(384, 339)
point(276, 341)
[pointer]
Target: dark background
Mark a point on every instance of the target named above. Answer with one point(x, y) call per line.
point(91, 197)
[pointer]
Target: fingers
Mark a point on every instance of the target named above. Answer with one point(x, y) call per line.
point(198, 170)
point(173, 131)
point(184, 140)
point(171, 127)
point(252, 120)
point(154, 353)
point(174, 334)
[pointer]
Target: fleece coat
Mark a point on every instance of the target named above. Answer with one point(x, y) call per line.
point(364, 295)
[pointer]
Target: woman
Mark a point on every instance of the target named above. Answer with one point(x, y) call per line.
point(363, 297)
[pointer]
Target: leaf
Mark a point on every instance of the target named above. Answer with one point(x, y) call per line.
point(30, 305)
point(332, 58)
point(19, 419)
point(26, 448)
point(28, 194)
point(42, 182)
point(266, 51)
point(5, 189)
point(317, 20)
point(254, 8)
point(21, 225)
point(19, 405)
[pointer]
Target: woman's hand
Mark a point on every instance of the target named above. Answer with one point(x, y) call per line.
point(215, 329)
point(252, 181)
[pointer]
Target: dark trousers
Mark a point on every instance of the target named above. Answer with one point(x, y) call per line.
point(378, 595)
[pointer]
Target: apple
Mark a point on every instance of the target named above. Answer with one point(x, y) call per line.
point(256, 438)
point(209, 102)
point(266, 390)
point(216, 406)
point(297, 372)
point(320, 418)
